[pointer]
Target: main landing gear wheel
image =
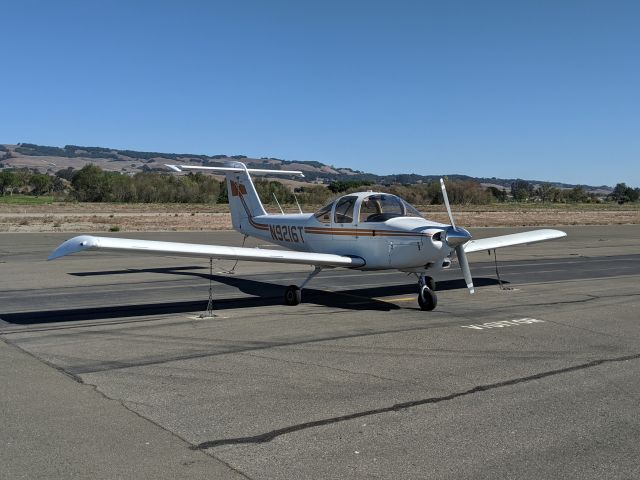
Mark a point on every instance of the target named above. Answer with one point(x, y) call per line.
point(292, 295)
point(427, 298)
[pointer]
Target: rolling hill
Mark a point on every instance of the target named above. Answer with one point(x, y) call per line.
point(47, 159)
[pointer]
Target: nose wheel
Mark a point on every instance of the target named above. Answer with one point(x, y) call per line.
point(427, 298)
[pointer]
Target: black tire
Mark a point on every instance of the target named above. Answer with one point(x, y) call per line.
point(427, 299)
point(292, 295)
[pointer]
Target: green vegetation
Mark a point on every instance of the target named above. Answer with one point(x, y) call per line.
point(92, 184)
point(339, 187)
point(622, 194)
point(155, 185)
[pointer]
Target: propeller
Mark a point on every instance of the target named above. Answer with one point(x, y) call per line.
point(456, 238)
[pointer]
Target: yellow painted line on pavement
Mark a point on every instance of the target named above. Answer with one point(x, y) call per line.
point(402, 299)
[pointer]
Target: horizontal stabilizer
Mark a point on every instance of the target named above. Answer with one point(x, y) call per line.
point(182, 168)
point(89, 242)
point(513, 239)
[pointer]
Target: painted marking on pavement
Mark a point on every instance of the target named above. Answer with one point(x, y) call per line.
point(402, 299)
point(503, 323)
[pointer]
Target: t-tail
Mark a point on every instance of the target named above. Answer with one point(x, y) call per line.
point(244, 201)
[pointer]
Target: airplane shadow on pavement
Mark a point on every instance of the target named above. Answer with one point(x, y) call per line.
point(260, 294)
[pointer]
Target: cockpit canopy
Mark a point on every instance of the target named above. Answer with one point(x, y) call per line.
point(374, 207)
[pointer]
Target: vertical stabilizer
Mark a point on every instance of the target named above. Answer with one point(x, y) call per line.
point(244, 202)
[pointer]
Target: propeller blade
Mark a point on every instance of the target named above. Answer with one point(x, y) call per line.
point(466, 271)
point(457, 238)
point(446, 203)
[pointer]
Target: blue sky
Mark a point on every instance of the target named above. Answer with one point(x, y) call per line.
point(546, 90)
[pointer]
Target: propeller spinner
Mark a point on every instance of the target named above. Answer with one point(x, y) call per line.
point(456, 237)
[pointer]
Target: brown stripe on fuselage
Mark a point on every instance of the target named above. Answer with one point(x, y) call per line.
point(363, 232)
point(259, 226)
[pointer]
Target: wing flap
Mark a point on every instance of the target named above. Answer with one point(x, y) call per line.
point(513, 239)
point(89, 242)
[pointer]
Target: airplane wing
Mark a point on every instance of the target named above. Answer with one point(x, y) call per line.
point(512, 239)
point(89, 242)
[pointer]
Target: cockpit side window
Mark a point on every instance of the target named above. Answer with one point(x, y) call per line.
point(344, 210)
point(324, 214)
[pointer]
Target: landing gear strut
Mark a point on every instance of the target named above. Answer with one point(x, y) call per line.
point(293, 293)
point(427, 298)
point(428, 281)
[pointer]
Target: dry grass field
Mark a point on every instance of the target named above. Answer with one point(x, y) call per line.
point(103, 217)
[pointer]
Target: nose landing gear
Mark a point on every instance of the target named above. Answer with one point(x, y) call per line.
point(427, 298)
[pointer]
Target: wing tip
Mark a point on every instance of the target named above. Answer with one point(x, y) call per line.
point(73, 245)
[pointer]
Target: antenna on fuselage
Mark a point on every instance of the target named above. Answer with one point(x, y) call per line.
point(297, 203)
point(276, 199)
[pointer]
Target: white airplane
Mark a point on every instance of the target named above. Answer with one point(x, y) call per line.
point(359, 231)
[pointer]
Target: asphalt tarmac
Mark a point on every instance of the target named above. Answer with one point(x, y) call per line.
point(108, 371)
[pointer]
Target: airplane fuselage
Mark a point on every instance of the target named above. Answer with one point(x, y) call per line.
point(406, 243)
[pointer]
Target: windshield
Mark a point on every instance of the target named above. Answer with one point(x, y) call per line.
point(324, 214)
point(381, 207)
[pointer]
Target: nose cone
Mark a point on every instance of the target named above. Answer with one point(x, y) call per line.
point(455, 236)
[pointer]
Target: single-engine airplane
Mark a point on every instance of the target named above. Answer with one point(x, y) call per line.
point(359, 231)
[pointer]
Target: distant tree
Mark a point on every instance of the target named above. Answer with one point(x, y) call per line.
point(120, 188)
point(267, 189)
point(545, 192)
point(521, 190)
point(8, 181)
point(223, 196)
point(58, 185)
point(41, 184)
point(577, 195)
point(498, 193)
point(343, 186)
point(313, 195)
point(622, 193)
point(22, 178)
point(66, 173)
point(89, 184)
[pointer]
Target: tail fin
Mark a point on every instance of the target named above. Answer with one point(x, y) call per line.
point(244, 202)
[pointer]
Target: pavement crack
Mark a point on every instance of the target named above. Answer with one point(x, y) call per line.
point(268, 436)
point(71, 375)
point(98, 391)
